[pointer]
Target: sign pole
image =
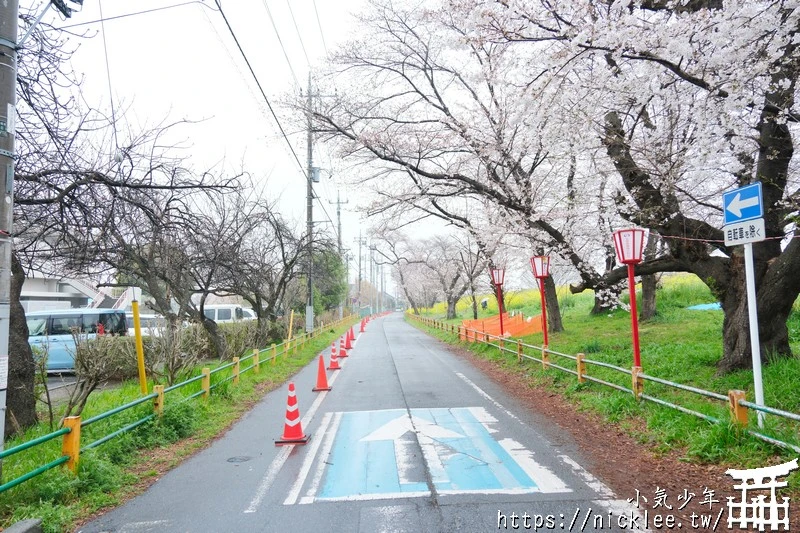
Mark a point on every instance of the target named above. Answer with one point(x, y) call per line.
point(755, 343)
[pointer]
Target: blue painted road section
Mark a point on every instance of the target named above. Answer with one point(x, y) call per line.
point(372, 449)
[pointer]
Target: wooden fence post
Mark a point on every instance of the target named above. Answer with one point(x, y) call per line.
point(274, 353)
point(637, 382)
point(71, 445)
point(235, 370)
point(579, 359)
point(158, 401)
point(206, 382)
point(519, 351)
point(256, 362)
point(738, 412)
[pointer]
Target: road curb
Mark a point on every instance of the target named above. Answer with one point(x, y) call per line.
point(33, 525)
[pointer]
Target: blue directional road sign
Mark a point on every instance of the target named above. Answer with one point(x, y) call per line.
point(742, 204)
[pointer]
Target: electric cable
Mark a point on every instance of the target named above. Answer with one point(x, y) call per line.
point(321, 34)
point(261, 89)
point(108, 78)
point(302, 44)
point(280, 41)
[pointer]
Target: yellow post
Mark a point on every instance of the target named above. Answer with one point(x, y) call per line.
point(579, 359)
point(139, 347)
point(291, 324)
point(256, 362)
point(637, 381)
point(206, 382)
point(519, 351)
point(274, 353)
point(738, 412)
point(235, 370)
point(158, 401)
point(71, 445)
point(545, 358)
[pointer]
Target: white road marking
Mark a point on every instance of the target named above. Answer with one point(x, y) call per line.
point(485, 395)
point(376, 496)
point(294, 491)
point(326, 452)
point(277, 463)
point(593, 483)
point(546, 480)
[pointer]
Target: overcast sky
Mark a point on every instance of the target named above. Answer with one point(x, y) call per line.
point(182, 63)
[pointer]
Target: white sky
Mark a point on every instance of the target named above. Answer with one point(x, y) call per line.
point(182, 63)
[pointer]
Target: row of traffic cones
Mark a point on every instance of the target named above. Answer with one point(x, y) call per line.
point(292, 428)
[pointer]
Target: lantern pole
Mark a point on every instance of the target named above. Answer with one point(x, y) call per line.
point(500, 306)
point(544, 311)
point(634, 317)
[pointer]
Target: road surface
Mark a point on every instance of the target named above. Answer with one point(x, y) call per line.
point(411, 438)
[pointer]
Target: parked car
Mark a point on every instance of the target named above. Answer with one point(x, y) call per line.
point(150, 324)
point(222, 313)
point(52, 331)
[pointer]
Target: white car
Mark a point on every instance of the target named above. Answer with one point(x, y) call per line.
point(150, 324)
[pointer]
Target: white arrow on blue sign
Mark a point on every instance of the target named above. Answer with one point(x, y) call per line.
point(742, 204)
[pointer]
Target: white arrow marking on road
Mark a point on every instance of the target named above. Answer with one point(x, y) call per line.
point(394, 429)
point(737, 204)
point(427, 434)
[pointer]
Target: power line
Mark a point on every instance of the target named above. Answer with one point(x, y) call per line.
point(302, 45)
point(260, 88)
point(133, 14)
point(321, 34)
point(278, 35)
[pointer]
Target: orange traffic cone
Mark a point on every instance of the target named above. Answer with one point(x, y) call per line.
point(322, 377)
point(292, 428)
point(347, 338)
point(334, 362)
point(362, 326)
point(342, 350)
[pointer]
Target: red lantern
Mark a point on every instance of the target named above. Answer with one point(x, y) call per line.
point(541, 269)
point(498, 275)
point(629, 244)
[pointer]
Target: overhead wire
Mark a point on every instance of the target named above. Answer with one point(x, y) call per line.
point(260, 88)
point(321, 33)
point(280, 41)
point(132, 14)
point(108, 79)
point(302, 44)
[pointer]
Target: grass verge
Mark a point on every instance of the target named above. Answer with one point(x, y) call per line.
point(679, 345)
point(125, 466)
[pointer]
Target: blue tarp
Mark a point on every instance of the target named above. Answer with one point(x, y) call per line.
point(706, 307)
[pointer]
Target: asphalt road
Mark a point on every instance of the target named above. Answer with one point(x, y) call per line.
point(410, 439)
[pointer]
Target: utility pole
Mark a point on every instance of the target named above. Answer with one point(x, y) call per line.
point(339, 203)
point(309, 219)
point(360, 242)
point(9, 15)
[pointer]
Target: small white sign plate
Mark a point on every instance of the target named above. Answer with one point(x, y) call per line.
point(744, 232)
point(3, 372)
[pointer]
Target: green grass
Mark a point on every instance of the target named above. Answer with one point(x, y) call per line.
point(117, 469)
point(678, 345)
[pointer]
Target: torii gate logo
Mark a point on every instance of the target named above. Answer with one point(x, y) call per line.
point(757, 511)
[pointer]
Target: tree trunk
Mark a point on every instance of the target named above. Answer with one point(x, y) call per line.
point(647, 309)
point(774, 308)
point(451, 309)
point(474, 302)
point(553, 310)
point(605, 299)
point(20, 400)
point(217, 340)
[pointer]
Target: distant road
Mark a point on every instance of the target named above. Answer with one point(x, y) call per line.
point(411, 438)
